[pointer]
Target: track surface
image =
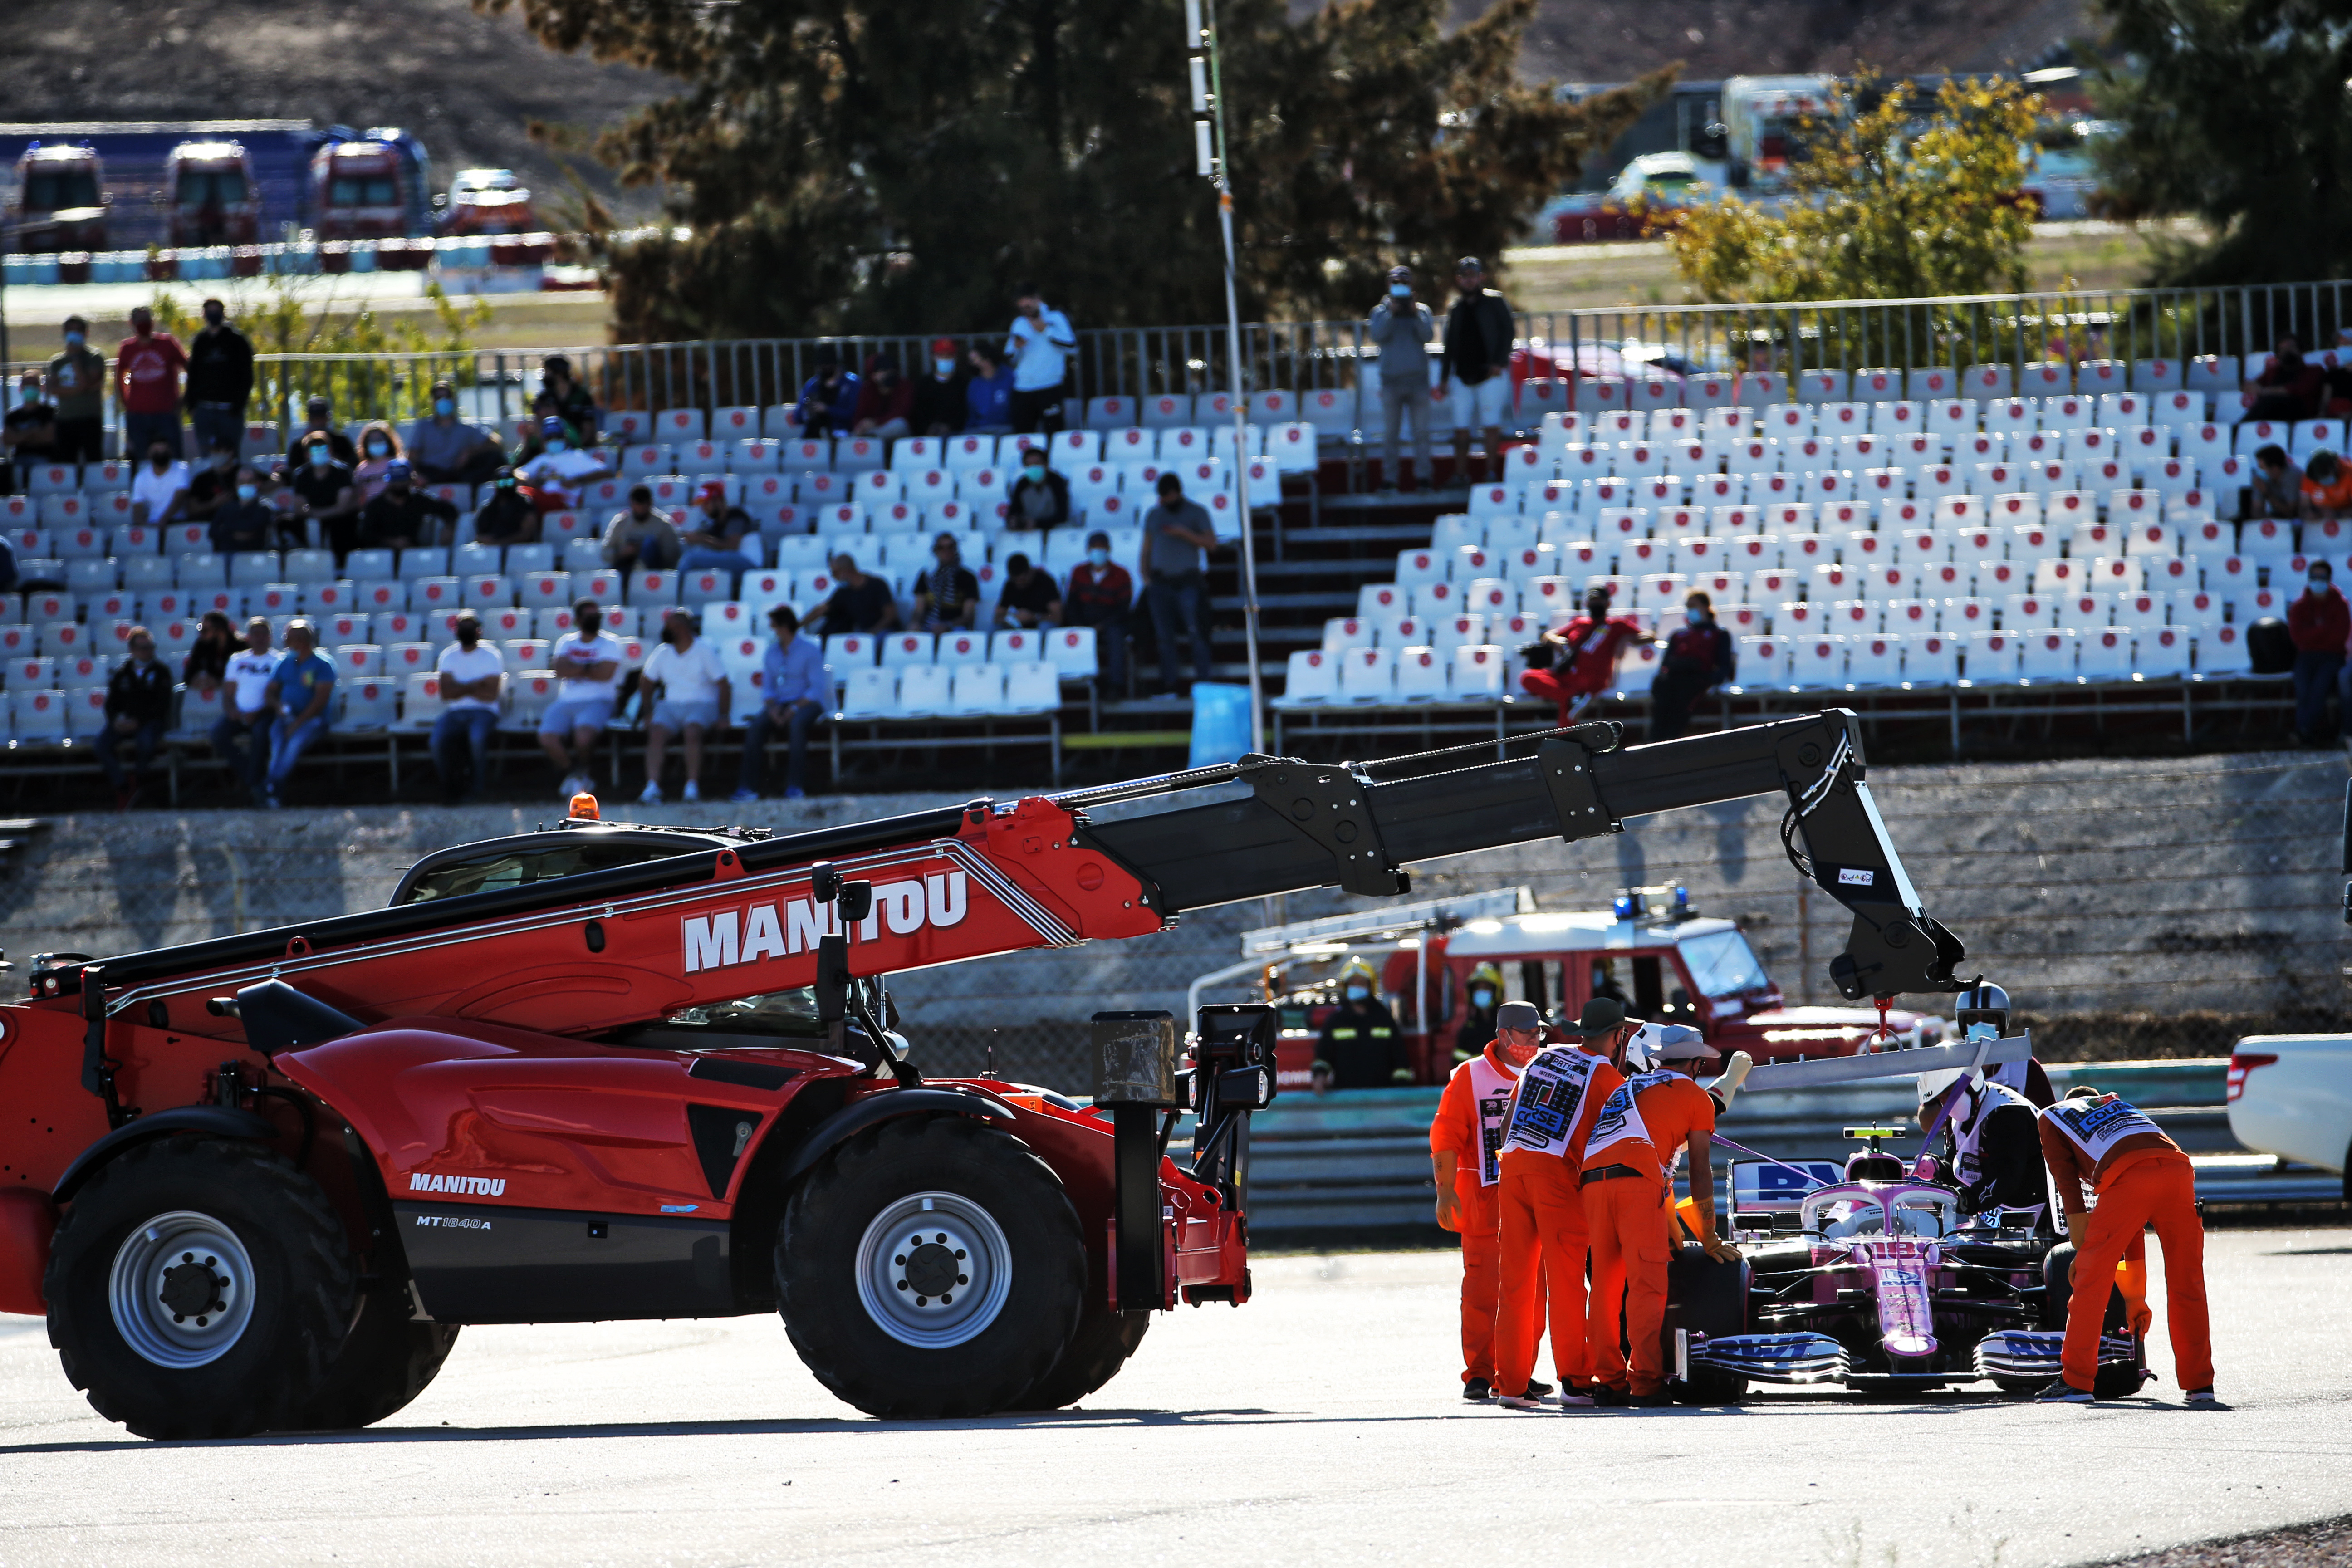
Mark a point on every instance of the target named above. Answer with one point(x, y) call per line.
point(1318, 1424)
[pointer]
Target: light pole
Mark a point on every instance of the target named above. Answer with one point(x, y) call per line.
point(1210, 151)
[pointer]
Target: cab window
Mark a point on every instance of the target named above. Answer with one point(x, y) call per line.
point(1723, 964)
point(520, 868)
point(789, 1013)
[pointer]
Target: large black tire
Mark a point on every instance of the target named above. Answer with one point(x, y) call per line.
point(2112, 1382)
point(198, 1287)
point(1104, 1341)
point(1709, 1297)
point(857, 1229)
point(386, 1360)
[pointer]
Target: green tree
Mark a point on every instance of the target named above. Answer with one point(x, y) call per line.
point(2238, 111)
point(849, 165)
point(297, 315)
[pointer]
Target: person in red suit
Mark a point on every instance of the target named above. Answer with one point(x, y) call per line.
point(1584, 655)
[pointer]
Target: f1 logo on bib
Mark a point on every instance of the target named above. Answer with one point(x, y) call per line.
point(1852, 877)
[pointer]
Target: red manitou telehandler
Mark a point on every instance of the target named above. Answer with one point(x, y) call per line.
point(602, 1072)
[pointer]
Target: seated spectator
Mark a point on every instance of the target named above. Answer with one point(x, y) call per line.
point(886, 404)
point(947, 598)
point(241, 738)
point(686, 689)
point(213, 486)
point(2275, 489)
point(1041, 496)
point(1696, 660)
point(300, 689)
point(858, 603)
point(138, 708)
point(29, 433)
point(639, 536)
point(403, 516)
point(443, 449)
point(2326, 488)
point(714, 536)
point(562, 472)
point(939, 403)
point(568, 400)
point(471, 675)
point(206, 664)
point(319, 420)
point(587, 664)
point(988, 396)
point(829, 398)
point(159, 494)
point(1100, 595)
point(507, 517)
point(379, 449)
point(246, 521)
point(1030, 600)
point(324, 492)
point(796, 693)
point(2288, 389)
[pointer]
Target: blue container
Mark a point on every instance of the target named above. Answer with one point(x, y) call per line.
point(1221, 723)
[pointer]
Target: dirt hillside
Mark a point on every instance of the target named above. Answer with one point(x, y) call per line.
point(1614, 40)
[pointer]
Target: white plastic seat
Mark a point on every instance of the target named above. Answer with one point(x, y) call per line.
point(1312, 677)
point(904, 650)
point(1072, 652)
point(870, 693)
point(1420, 675)
point(1816, 660)
point(1368, 674)
point(925, 691)
point(2047, 655)
point(962, 647)
point(1031, 687)
point(1992, 657)
point(2160, 653)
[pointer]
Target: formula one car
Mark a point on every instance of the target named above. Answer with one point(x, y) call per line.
point(1868, 1278)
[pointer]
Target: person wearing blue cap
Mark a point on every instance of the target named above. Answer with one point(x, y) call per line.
point(402, 516)
point(561, 473)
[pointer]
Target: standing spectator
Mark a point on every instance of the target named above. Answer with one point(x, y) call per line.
point(507, 517)
point(797, 692)
point(2326, 487)
point(886, 404)
point(940, 406)
point(1401, 327)
point(858, 603)
point(77, 380)
point(28, 433)
point(299, 691)
point(2288, 387)
point(206, 664)
point(403, 516)
point(686, 689)
point(640, 537)
point(379, 449)
point(2320, 623)
point(319, 419)
point(159, 491)
point(988, 396)
point(137, 707)
point(324, 492)
point(714, 536)
point(245, 521)
point(947, 598)
point(829, 398)
point(1100, 594)
point(214, 484)
point(445, 450)
point(471, 675)
point(220, 381)
point(2275, 489)
point(147, 366)
point(567, 400)
point(1696, 659)
point(247, 715)
point(1041, 498)
point(1177, 534)
point(1579, 661)
point(587, 664)
point(1039, 347)
point(1478, 336)
point(561, 473)
point(1030, 600)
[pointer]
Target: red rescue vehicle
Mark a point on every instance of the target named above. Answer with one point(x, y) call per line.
point(359, 190)
point(213, 194)
point(61, 199)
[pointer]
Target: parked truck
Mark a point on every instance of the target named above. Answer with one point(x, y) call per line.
point(61, 201)
point(212, 194)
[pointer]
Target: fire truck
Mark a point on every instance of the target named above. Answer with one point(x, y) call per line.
point(212, 194)
point(60, 198)
point(599, 1072)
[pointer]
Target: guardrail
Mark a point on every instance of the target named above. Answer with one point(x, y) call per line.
point(1358, 1161)
point(205, 263)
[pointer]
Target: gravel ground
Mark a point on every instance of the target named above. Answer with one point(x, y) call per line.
point(2325, 1545)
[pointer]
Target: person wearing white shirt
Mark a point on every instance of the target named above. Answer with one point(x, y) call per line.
point(1039, 349)
point(471, 674)
point(688, 691)
point(159, 493)
point(245, 714)
point(587, 664)
point(561, 473)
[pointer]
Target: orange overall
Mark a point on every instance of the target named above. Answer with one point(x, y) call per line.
point(2142, 1180)
point(1544, 1244)
point(1469, 1122)
point(1630, 1218)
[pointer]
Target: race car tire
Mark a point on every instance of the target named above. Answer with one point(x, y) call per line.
point(386, 1361)
point(852, 1235)
point(1097, 1350)
point(198, 1287)
point(1710, 1297)
point(2057, 1292)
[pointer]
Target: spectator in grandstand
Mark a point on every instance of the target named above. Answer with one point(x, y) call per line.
point(2326, 487)
point(324, 491)
point(506, 516)
point(402, 515)
point(947, 598)
point(159, 491)
point(1040, 497)
point(1100, 594)
point(561, 473)
point(2275, 489)
point(2288, 387)
point(379, 449)
point(147, 366)
point(1175, 564)
point(886, 404)
point(1029, 601)
point(220, 380)
point(639, 536)
point(829, 398)
point(137, 707)
point(300, 689)
point(28, 432)
point(988, 396)
point(566, 399)
point(587, 664)
point(1575, 664)
point(860, 602)
point(212, 485)
point(1695, 661)
point(1476, 370)
point(206, 664)
point(686, 689)
point(2321, 623)
point(244, 521)
point(714, 536)
point(241, 737)
point(319, 419)
point(940, 406)
point(445, 450)
point(1401, 328)
point(1039, 346)
point(77, 380)
point(797, 692)
point(471, 677)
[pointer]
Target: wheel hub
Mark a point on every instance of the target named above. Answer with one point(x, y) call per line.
point(934, 1269)
point(190, 1289)
point(180, 1290)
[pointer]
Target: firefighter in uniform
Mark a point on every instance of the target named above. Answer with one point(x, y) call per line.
point(2140, 1177)
point(1542, 1221)
point(1465, 1144)
point(1359, 1039)
point(1486, 990)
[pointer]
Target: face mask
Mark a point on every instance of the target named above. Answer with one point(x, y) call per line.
point(945, 367)
point(557, 443)
point(444, 406)
point(1099, 558)
point(1482, 1000)
point(468, 636)
point(1401, 290)
point(1359, 994)
point(30, 396)
point(2318, 583)
point(1034, 470)
point(246, 492)
point(321, 457)
point(506, 484)
point(160, 463)
point(378, 449)
point(212, 317)
point(1697, 617)
point(73, 340)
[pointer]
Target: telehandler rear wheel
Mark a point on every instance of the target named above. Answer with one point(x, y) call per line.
point(1093, 1357)
point(386, 1360)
